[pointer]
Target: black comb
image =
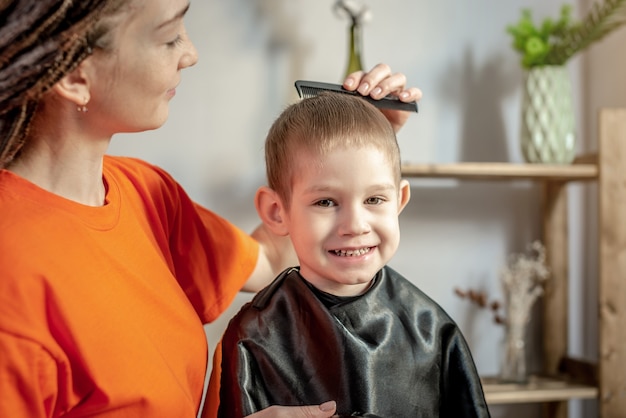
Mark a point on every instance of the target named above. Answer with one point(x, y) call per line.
point(308, 89)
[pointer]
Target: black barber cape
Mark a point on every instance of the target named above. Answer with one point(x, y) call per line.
point(391, 352)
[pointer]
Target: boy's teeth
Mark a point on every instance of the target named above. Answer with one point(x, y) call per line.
point(352, 253)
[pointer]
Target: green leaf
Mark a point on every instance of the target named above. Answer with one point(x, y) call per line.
point(555, 42)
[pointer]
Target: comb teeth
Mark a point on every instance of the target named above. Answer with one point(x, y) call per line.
point(308, 92)
point(308, 89)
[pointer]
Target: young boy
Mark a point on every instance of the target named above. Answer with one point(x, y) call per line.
point(342, 326)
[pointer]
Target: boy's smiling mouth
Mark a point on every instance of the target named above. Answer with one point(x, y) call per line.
point(352, 253)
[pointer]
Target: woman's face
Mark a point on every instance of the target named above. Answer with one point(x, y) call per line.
point(132, 82)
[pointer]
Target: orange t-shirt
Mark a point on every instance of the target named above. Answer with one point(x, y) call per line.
point(101, 308)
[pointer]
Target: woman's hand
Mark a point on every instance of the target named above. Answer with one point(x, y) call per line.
point(325, 410)
point(379, 82)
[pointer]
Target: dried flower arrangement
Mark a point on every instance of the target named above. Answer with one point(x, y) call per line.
point(481, 300)
point(523, 280)
point(355, 10)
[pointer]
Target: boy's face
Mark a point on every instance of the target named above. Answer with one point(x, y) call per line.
point(343, 217)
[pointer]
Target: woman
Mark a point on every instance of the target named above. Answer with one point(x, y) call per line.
point(109, 270)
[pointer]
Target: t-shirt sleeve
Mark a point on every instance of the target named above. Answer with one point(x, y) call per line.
point(229, 256)
point(212, 258)
point(28, 379)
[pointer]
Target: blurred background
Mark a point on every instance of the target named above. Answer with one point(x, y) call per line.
point(454, 233)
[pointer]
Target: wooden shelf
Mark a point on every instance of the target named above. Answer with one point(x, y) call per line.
point(605, 381)
point(539, 389)
point(502, 171)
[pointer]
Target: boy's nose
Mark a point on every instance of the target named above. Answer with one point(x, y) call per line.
point(354, 222)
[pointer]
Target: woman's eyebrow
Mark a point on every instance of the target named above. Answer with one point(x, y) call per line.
point(179, 15)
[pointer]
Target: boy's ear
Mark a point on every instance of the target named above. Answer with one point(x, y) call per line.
point(74, 86)
point(404, 194)
point(270, 208)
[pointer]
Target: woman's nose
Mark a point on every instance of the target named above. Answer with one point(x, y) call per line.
point(190, 57)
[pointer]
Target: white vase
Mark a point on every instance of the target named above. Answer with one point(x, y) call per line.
point(548, 125)
point(513, 367)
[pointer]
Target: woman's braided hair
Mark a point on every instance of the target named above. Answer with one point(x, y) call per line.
point(40, 42)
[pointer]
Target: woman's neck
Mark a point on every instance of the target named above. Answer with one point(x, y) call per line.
point(72, 172)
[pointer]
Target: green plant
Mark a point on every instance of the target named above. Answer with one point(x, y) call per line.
point(555, 42)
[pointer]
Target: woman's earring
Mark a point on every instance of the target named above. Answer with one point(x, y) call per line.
point(83, 108)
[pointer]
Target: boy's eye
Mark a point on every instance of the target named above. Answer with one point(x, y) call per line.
point(326, 203)
point(374, 200)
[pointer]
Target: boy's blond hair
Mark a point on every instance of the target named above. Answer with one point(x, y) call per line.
point(319, 125)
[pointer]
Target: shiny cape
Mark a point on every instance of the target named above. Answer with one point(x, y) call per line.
point(390, 353)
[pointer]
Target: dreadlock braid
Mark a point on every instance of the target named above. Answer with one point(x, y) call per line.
point(17, 121)
point(40, 42)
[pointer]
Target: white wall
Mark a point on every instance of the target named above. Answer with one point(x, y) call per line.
point(457, 52)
